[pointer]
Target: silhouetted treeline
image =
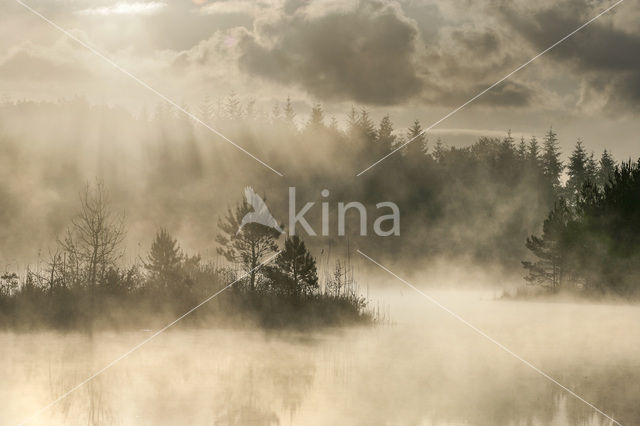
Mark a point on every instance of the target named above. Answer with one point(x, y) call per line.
point(84, 285)
point(591, 242)
point(476, 203)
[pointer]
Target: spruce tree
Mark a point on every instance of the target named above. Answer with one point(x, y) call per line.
point(591, 170)
point(533, 155)
point(606, 168)
point(577, 169)
point(417, 147)
point(522, 149)
point(367, 128)
point(439, 151)
point(385, 137)
point(316, 120)
point(508, 142)
point(551, 163)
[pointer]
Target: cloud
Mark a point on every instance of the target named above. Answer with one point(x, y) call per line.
point(373, 53)
point(223, 7)
point(125, 8)
point(27, 62)
point(364, 54)
point(602, 55)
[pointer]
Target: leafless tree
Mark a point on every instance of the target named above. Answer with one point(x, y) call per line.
point(92, 242)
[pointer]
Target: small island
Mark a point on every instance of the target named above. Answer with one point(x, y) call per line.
point(84, 285)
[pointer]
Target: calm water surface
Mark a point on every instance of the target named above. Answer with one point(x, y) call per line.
point(428, 369)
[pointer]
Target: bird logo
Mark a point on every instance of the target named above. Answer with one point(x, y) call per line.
point(260, 213)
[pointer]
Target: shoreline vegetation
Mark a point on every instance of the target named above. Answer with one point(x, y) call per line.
point(82, 287)
point(590, 243)
point(480, 203)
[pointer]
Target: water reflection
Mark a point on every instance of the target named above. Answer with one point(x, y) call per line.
point(434, 373)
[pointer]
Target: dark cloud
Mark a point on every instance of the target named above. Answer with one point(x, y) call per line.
point(507, 94)
point(375, 54)
point(477, 42)
point(366, 54)
point(603, 55)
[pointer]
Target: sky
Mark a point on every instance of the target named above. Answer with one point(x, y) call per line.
point(411, 59)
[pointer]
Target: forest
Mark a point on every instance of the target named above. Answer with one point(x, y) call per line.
point(503, 203)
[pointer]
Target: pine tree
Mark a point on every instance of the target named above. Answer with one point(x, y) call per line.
point(551, 163)
point(577, 169)
point(385, 137)
point(247, 245)
point(439, 151)
point(367, 128)
point(164, 259)
point(509, 142)
point(533, 152)
point(522, 149)
point(353, 131)
point(316, 119)
point(417, 147)
point(606, 168)
point(591, 170)
point(295, 270)
point(548, 271)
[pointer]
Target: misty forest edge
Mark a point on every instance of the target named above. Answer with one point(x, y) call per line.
point(589, 242)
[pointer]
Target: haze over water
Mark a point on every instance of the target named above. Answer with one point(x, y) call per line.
point(138, 137)
point(428, 368)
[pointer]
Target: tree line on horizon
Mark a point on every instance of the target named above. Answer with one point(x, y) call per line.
point(478, 203)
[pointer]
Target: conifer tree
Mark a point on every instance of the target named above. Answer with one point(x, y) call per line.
point(316, 119)
point(509, 142)
point(606, 168)
point(551, 163)
point(247, 245)
point(439, 151)
point(294, 272)
point(522, 149)
point(591, 170)
point(533, 152)
point(577, 169)
point(417, 147)
point(548, 271)
point(367, 128)
point(164, 259)
point(384, 136)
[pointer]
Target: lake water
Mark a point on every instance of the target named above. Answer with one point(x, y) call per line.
point(427, 369)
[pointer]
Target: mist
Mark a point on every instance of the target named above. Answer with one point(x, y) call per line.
point(295, 213)
point(428, 368)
